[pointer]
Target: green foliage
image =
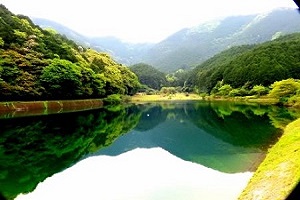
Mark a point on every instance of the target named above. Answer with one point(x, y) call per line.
point(179, 78)
point(113, 99)
point(9, 73)
point(225, 90)
point(215, 90)
point(1, 42)
point(259, 90)
point(262, 64)
point(284, 89)
point(149, 76)
point(168, 90)
point(58, 77)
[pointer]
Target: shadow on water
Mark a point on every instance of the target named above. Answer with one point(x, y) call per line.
point(227, 137)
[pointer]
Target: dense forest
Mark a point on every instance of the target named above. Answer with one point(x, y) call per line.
point(38, 64)
point(154, 80)
point(244, 67)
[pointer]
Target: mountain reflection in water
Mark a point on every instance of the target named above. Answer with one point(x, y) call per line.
point(226, 137)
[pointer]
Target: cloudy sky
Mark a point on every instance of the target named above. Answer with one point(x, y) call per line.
point(137, 20)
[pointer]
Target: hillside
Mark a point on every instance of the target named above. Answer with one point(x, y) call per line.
point(38, 64)
point(149, 76)
point(190, 47)
point(247, 66)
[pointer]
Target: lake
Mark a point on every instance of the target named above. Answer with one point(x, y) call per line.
point(174, 150)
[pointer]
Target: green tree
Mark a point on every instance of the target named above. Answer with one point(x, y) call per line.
point(149, 76)
point(259, 90)
point(168, 90)
point(225, 90)
point(1, 42)
point(284, 89)
point(61, 79)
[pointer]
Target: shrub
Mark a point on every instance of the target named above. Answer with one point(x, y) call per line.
point(113, 99)
point(259, 90)
point(285, 88)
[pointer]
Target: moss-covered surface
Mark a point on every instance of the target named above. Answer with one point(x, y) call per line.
point(279, 173)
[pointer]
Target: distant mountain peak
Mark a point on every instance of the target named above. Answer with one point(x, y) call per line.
point(206, 27)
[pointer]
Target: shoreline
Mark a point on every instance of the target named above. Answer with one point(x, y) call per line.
point(278, 174)
point(191, 97)
point(164, 97)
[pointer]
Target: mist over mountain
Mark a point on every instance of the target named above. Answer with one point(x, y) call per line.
point(191, 46)
point(123, 52)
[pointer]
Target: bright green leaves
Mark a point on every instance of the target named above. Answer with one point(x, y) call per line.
point(1, 42)
point(259, 90)
point(61, 79)
point(149, 76)
point(285, 88)
point(8, 71)
point(64, 79)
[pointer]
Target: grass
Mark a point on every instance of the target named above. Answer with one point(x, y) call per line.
point(140, 97)
point(279, 173)
point(165, 97)
point(251, 99)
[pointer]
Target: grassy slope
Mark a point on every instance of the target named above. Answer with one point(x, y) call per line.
point(279, 173)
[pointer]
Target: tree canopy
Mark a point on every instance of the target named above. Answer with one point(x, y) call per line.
point(149, 76)
point(261, 64)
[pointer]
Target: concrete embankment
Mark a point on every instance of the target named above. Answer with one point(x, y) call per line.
point(14, 109)
point(279, 173)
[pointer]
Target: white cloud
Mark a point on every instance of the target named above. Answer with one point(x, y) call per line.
point(137, 20)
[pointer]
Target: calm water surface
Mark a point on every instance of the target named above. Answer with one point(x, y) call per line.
point(182, 150)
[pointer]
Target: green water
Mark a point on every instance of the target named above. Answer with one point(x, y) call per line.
point(227, 137)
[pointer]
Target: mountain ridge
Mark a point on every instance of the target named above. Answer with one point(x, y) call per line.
point(189, 47)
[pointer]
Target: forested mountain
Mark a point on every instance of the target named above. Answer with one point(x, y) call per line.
point(190, 47)
point(250, 65)
point(42, 64)
point(149, 76)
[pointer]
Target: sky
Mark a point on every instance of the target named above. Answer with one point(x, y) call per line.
point(138, 21)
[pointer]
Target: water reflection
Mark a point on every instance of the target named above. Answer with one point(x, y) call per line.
point(229, 138)
point(34, 148)
point(226, 137)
